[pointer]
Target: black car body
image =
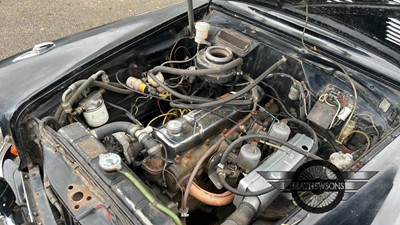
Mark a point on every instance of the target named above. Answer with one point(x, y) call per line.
point(326, 59)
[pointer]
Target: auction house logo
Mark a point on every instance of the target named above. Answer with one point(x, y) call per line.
point(318, 186)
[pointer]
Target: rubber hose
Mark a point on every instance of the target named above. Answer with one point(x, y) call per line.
point(230, 148)
point(243, 215)
point(230, 65)
point(209, 152)
point(86, 84)
point(243, 193)
point(58, 112)
point(63, 118)
point(110, 86)
point(111, 128)
point(151, 198)
point(237, 94)
point(224, 157)
point(50, 120)
point(301, 90)
point(314, 148)
point(186, 97)
point(201, 72)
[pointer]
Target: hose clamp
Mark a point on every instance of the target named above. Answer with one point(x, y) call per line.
point(184, 212)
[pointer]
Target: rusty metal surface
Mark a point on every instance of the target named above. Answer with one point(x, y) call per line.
point(92, 147)
point(117, 194)
point(181, 169)
point(38, 204)
point(75, 191)
point(78, 196)
point(215, 159)
point(153, 168)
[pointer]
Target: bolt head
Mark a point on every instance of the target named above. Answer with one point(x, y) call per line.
point(177, 159)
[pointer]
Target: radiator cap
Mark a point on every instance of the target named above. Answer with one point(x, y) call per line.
point(110, 162)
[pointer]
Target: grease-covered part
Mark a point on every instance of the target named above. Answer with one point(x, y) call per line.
point(121, 143)
point(153, 167)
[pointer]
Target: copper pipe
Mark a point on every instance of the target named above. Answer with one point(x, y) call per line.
point(215, 146)
point(209, 152)
point(210, 198)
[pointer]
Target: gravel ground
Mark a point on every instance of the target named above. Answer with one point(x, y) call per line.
point(29, 22)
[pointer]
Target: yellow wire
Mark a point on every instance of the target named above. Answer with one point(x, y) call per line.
point(342, 68)
point(363, 134)
point(159, 116)
point(171, 112)
point(182, 112)
point(166, 116)
point(165, 119)
point(166, 96)
point(355, 100)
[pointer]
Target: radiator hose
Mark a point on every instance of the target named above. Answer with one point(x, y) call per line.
point(142, 134)
point(151, 198)
point(243, 215)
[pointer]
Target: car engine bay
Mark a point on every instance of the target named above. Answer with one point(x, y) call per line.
point(178, 129)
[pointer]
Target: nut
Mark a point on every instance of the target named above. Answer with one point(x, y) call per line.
point(177, 159)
